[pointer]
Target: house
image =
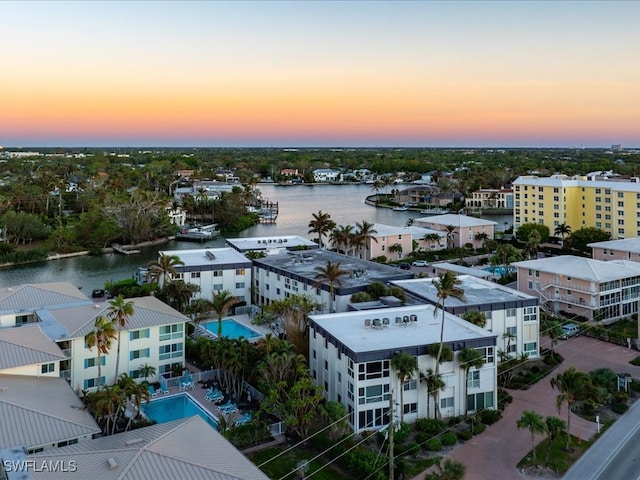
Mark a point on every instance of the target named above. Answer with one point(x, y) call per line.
point(263, 244)
point(510, 314)
point(324, 175)
point(600, 201)
point(577, 286)
point(281, 275)
point(350, 356)
point(41, 413)
point(625, 249)
point(489, 198)
point(57, 316)
point(214, 270)
point(186, 448)
point(463, 229)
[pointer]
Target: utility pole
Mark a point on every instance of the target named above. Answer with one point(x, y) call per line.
point(390, 430)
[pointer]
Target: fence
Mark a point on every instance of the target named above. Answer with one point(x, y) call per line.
point(277, 429)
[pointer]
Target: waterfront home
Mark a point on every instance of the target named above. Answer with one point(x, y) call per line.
point(599, 201)
point(350, 356)
point(326, 175)
point(491, 198)
point(510, 314)
point(263, 244)
point(461, 229)
point(187, 448)
point(625, 249)
point(577, 286)
point(214, 270)
point(281, 275)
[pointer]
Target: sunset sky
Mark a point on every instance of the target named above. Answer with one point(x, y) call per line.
point(329, 73)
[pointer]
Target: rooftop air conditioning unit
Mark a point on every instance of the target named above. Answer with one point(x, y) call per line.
point(367, 322)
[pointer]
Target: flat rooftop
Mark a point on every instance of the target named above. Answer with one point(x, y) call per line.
point(207, 257)
point(462, 270)
point(477, 292)
point(582, 268)
point(350, 331)
point(266, 243)
point(301, 266)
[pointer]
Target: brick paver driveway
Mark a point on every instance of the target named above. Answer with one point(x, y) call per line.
point(495, 453)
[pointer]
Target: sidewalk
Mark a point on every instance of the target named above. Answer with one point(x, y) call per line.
point(496, 452)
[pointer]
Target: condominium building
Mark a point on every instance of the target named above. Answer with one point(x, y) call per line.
point(612, 205)
point(262, 244)
point(491, 198)
point(463, 229)
point(625, 249)
point(350, 356)
point(577, 286)
point(510, 314)
point(281, 275)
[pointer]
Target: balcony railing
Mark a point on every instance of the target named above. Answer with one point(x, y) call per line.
point(66, 374)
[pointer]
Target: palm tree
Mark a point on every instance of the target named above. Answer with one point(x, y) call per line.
point(331, 273)
point(222, 302)
point(431, 238)
point(365, 234)
point(321, 224)
point(450, 229)
point(199, 310)
point(119, 313)
point(405, 366)
point(162, 270)
point(556, 428)
point(530, 249)
point(563, 230)
point(146, 371)
point(535, 423)
point(101, 336)
point(396, 248)
point(434, 384)
point(476, 317)
point(508, 336)
point(469, 358)
point(377, 185)
point(554, 330)
point(570, 384)
point(341, 237)
point(482, 237)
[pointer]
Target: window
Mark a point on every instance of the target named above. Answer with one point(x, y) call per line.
point(326, 365)
point(530, 314)
point(173, 350)
point(373, 394)
point(487, 353)
point(135, 354)
point(410, 385)
point(373, 418)
point(371, 370)
point(136, 334)
point(239, 284)
point(473, 379)
point(217, 273)
point(447, 402)
point(167, 332)
point(92, 382)
point(410, 408)
point(531, 349)
point(47, 367)
point(478, 401)
point(511, 312)
point(195, 274)
point(218, 286)
point(135, 374)
point(239, 271)
point(92, 362)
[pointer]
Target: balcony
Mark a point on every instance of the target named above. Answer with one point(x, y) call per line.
point(66, 374)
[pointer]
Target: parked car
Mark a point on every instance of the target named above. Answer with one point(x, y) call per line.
point(404, 266)
point(98, 293)
point(420, 263)
point(569, 330)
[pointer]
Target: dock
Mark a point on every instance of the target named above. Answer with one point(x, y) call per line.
point(201, 233)
point(268, 212)
point(124, 249)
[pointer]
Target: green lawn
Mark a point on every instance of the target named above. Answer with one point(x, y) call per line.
point(286, 464)
point(559, 459)
point(626, 327)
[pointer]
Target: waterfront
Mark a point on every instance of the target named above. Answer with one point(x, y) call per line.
point(345, 204)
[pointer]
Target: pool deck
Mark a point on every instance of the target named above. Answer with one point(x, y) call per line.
point(244, 320)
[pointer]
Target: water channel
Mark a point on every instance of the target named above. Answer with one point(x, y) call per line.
point(345, 204)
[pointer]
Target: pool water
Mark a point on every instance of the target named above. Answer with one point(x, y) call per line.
point(174, 408)
point(232, 329)
point(498, 271)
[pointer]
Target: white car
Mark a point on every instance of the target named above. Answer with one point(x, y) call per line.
point(420, 263)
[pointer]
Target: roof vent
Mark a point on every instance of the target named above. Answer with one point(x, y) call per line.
point(133, 441)
point(112, 463)
point(210, 255)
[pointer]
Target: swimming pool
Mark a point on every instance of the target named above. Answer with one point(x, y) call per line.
point(498, 271)
point(232, 329)
point(175, 407)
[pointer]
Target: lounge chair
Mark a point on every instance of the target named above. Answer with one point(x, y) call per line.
point(152, 391)
point(244, 418)
point(164, 389)
point(228, 408)
point(214, 395)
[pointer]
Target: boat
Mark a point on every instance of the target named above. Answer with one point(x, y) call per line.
point(401, 208)
point(198, 233)
point(434, 211)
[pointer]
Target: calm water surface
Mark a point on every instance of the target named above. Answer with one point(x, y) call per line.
point(345, 204)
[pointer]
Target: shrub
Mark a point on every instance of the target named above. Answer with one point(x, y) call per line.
point(490, 417)
point(453, 421)
point(536, 370)
point(620, 407)
point(402, 433)
point(434, 445)
point(423, 437)
point(448, 438)
point(478, 428)
point(413, 449)
point(464, 435)
point(430, 425)
point(635, 386)
point(620, 397)
point(589, 407)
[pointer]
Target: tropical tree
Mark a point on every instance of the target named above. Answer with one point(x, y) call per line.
point(101, 337)
point(469, 358)
point(434, 384)
point(132, 390)
point(534, 422)
point(556, 428)
point(161, 271)
point(146, 371)
point(563, 230)
point(365, 232)
point(571, 383)
point(396, 248)
point(341, 237)
point(509, 336)
point(476, 317)
point(119, 312)
point(331, 273)
point(530, 248)
point(405, 366)
point(554, 331)
point(482, 237)
point(222, 302)
point(199, 310)
point(177, 294)
point(579, 239)
point(321, 224)
point(431, 238)
point(294, 313)
point(447, 285)
point(450, 230)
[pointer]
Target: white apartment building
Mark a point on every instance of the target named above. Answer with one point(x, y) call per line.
point(214, 270)
point(284, 274)
point(263, 244)
point(512, 315)
point(464, 229)
point(350, 356)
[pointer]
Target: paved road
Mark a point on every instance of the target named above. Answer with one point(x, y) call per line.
point(495, 453)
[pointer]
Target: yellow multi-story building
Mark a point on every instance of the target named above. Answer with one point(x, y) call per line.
point(612, 205)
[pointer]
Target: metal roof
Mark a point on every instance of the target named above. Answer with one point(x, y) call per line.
point(27, 345)
point(40, 411)
point(631, 245)
point(582, 268)
point(459, 221)
point(30, 297)
point(183, 449)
